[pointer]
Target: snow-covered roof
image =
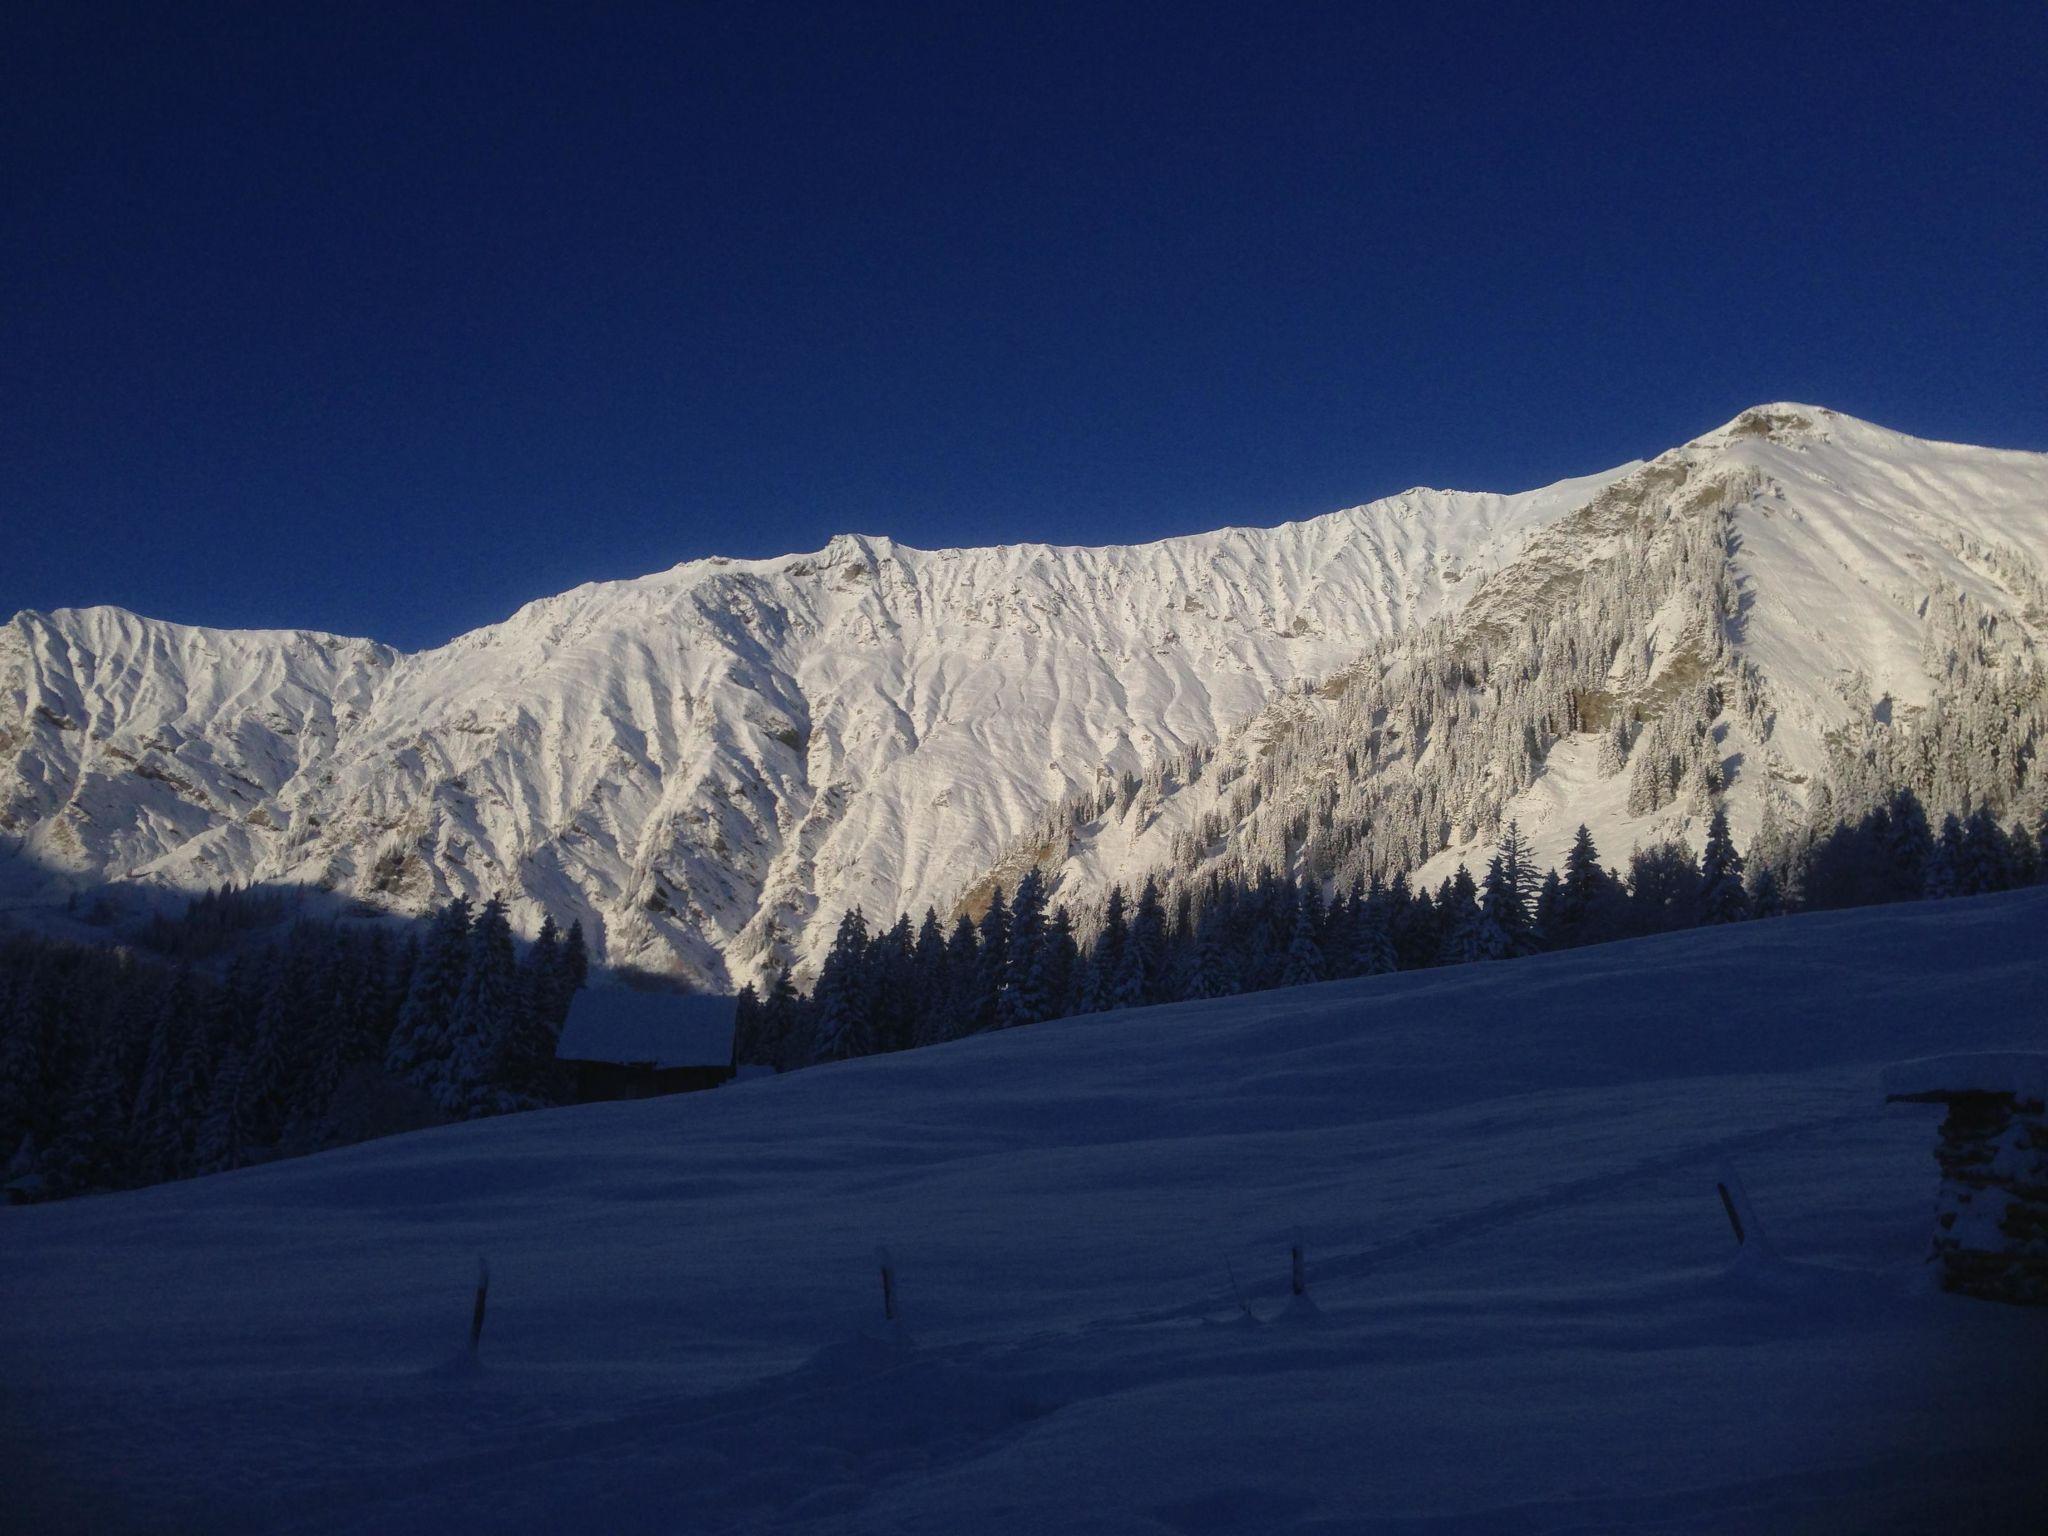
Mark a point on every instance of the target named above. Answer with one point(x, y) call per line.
point(2023, 1074)
point(660, 1029)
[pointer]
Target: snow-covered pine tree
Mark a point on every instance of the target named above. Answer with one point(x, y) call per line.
point(1765, 899)
point(963, 969)
point(1062, 961)
point(993, 960)
point(1722, 897)
point(90, 1150)
point(1457, 915)
point(932, 963)
point(747, 1045)
point(781, 1015)
point(1372, 935)
point(1513, 907)
point(575, 959)
point(1909, 845)
point(226, 1136)
point(1549, 904)
point(1944, 861)
point(1304, 965)
point(1663, 888)
point(540, 1007)
point(420, 1045)
point(1500, 922)
point(892, 989)
point(1986, 863)
point(264, 1094)
point(1148, 944)
point(840, 998)
point(154, 1115)
point(482, 1020)
point(542, 979)
point(1026, 993)
point(20, 1063)
point(1106, 960)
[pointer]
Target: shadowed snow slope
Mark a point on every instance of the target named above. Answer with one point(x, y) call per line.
point(1528, 1312)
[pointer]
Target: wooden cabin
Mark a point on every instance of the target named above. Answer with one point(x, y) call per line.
point(624, 1044)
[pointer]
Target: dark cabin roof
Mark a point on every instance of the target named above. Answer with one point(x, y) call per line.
point(654, 1029)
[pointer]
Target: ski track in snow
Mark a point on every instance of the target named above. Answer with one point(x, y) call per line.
point(1526, 1311)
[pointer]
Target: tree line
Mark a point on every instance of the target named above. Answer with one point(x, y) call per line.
point(124, 1067)
point(1020, 963)
point(205, 1048)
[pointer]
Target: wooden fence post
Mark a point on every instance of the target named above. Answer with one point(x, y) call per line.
point(1749, 1229)
point(1734, 1217)
point(888, 1269)
point(483, 1291)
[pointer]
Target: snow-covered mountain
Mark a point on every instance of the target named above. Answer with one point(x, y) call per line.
point(708, 765)
point(1785, 618)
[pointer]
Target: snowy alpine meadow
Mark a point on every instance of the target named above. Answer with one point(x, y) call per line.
point(1525, 1309)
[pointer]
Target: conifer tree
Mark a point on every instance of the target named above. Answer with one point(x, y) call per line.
point(963, 965)
point(1524, 879)
point(1062, 964)
point(1372, 938)
point(1026, 994)
point(1722, 898)
point(1500, 930)
point(225, 1135)
point(1944, 861)
point(575, 959)
point(1909, 846)
point(153, 1116)
point(840, 996)
point(1585, 893)
point(932, 961)
point(993, 961)
point(780, 1022)
point(1549, 913)
point(1148, 945)
point(1457, 915)
point(1304, 960)
point(20, 1065)
point(1107, 958)
point(1664, 887)
point(892, 989)
point(482, 1020)
point(90, 1151)
point(1986, 859)
point(420, 1043)
point(263, 1096)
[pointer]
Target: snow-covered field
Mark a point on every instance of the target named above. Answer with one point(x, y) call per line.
point(1528, 1312)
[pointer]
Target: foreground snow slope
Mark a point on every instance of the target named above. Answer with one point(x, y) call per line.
point(1528, 1311)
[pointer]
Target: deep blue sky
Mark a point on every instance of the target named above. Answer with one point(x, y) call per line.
point(381, 322)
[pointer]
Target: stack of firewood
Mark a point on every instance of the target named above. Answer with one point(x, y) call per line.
point(1991, 1221)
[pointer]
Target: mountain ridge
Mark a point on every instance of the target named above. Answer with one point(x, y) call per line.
point(708, 763)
